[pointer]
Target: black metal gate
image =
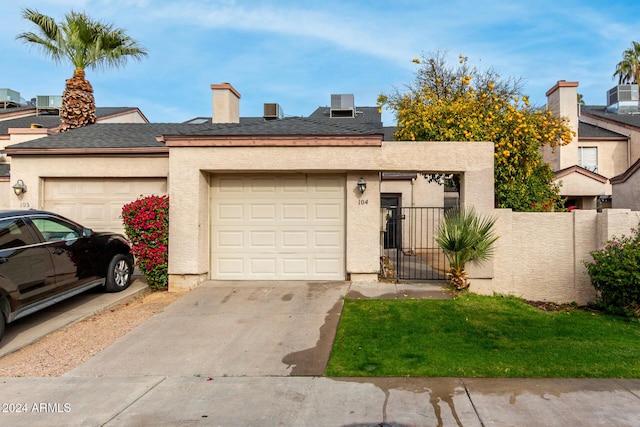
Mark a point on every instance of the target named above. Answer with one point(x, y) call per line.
point(410, 249)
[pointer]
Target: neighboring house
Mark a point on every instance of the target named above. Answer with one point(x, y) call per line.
point(606, 145)
point(261, 198)
point(24, 123)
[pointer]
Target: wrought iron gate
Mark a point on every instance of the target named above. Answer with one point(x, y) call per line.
point(410, 250)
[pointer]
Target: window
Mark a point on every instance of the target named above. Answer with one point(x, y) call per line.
point(14, 233)
point(53, 229)
point(588, 158)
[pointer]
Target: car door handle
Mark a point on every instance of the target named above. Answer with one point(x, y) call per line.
point(58, 251)
point(3, 260)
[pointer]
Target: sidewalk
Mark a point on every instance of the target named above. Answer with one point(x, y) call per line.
point(317, 401)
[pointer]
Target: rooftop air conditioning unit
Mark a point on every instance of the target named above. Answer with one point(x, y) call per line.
point(622, 99)
point(48, 101)
point(9, 97)
point(342, 105)
point(272, 111)
point(51, 103)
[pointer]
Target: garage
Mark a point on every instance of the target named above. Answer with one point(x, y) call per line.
point(97, 202)
point(278, 227)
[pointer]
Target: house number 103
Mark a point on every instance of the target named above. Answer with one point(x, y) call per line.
point(363, 201)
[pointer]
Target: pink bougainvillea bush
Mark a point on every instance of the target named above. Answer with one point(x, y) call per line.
point(146, 223)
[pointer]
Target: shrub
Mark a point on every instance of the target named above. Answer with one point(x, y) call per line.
point(465, 236)
point(146, 223)
point(615, 275)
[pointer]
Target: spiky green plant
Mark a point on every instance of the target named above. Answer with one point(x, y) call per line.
point(465, 236)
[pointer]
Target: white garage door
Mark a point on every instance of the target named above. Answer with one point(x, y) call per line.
point(284, 227)
point(97, 202)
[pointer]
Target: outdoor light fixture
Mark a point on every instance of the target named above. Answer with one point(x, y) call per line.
point(362, 185)
point(19, 187)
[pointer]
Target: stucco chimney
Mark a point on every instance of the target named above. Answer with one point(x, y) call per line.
point(562, 101)
point(226, 104)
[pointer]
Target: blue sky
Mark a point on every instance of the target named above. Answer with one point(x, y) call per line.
point(298, 53)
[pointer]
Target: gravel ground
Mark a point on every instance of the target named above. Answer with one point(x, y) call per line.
point(63, 350)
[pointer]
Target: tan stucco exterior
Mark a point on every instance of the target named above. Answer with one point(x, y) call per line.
point(34, 169)
point(540, 256)
point(626, 192)
point(190, 168)
point(562, 102)
point(415, 192)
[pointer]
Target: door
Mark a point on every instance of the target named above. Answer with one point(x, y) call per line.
point(97, 202)
point(392, 234)
point(26, 268)
point(278, 227)
point(70, 255)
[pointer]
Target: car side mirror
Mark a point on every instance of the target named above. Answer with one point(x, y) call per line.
point(87, 232)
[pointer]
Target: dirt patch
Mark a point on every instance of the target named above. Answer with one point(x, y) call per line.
point(551, 306)
point(63, 350)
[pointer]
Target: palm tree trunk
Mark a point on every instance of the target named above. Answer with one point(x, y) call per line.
point(78, 104)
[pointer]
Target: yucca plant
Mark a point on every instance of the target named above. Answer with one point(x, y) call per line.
point(465, 236)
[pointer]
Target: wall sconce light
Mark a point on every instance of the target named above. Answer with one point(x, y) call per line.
point(19, 187)
point(362, 185)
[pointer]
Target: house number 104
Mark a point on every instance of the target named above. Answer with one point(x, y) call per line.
point(363, 201)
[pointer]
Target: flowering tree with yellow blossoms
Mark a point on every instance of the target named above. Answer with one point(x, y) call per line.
point(462, 104)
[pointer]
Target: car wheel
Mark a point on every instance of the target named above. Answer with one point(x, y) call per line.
point(118, 274)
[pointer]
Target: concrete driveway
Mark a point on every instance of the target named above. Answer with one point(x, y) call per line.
point(231, 329)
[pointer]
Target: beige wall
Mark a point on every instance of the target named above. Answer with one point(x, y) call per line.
point(539, 256)
point(20, 135)
point(188, 186)
point(33, 169)
point(5, 192)
point(417, 192)
point(612, 156)
point(627, 194)
point(131, 117)
point(575, 184)
point(631, 132)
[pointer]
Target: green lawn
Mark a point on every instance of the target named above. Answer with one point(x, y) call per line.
point(477, 336)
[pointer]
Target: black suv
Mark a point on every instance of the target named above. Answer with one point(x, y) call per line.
point(45, 258)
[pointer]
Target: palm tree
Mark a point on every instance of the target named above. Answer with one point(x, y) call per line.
point(86, 44)
point(628, 70)
point(464, 236)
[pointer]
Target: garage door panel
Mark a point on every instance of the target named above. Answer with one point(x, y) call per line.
point(328, 239)
point(295, 239)
point(230, 266)
point(330, 212)
point(263, 266)
point(263, 239)
point(293, 212)
point(326, 266)
point(263, 212)
point(277, 227)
